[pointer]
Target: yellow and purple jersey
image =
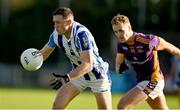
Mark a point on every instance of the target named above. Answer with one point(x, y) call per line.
point(142, 55)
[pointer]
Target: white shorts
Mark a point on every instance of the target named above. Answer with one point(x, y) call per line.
point(152, 89)
point(97, 85)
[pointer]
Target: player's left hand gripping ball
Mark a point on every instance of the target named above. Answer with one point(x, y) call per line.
point(59, 80)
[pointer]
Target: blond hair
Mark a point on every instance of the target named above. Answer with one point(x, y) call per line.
point(120, 19)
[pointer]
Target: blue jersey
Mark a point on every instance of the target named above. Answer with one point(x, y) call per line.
point(80, 40)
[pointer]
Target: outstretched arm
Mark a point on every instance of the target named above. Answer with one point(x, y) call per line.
point(164, 45)
point(46, 51)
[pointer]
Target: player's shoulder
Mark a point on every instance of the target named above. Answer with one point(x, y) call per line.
point(78, 27)
point(54, 33)
point(143, 38)
point(79, 30)
point(54, 37)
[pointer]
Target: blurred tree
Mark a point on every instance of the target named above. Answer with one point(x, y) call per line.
point(29, 27)
point(30, 22)
point(95, 15)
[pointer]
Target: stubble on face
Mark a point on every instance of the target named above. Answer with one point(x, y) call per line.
point(122, 32)
point(59, 24)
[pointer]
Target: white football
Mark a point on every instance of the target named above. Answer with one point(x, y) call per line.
point(31, 59)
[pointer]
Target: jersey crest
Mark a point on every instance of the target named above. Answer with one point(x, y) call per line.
point(84, 42)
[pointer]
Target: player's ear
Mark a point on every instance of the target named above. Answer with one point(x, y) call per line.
point(129, 27)
point(68, 22)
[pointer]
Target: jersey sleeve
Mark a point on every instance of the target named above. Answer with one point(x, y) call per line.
point(154, 42)
point(84, 41)
point(51, 42)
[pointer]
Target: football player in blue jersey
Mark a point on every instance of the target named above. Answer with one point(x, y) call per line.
point(88, 68)
point(140, 50)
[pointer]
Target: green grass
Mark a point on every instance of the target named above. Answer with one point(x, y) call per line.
point(13, 98)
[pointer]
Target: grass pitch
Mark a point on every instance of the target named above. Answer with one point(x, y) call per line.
point(14, 98)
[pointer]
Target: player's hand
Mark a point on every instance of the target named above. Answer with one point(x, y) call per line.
point(123, 68)
point(59, 80)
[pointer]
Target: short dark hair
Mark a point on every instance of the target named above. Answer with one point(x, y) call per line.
point(65, 12)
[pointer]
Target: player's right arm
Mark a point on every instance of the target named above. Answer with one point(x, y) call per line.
point(49, 47)
point(119, 60)
point(46, 51)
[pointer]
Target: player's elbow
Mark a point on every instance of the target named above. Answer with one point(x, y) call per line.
point(88, 66)
point(91, 67)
